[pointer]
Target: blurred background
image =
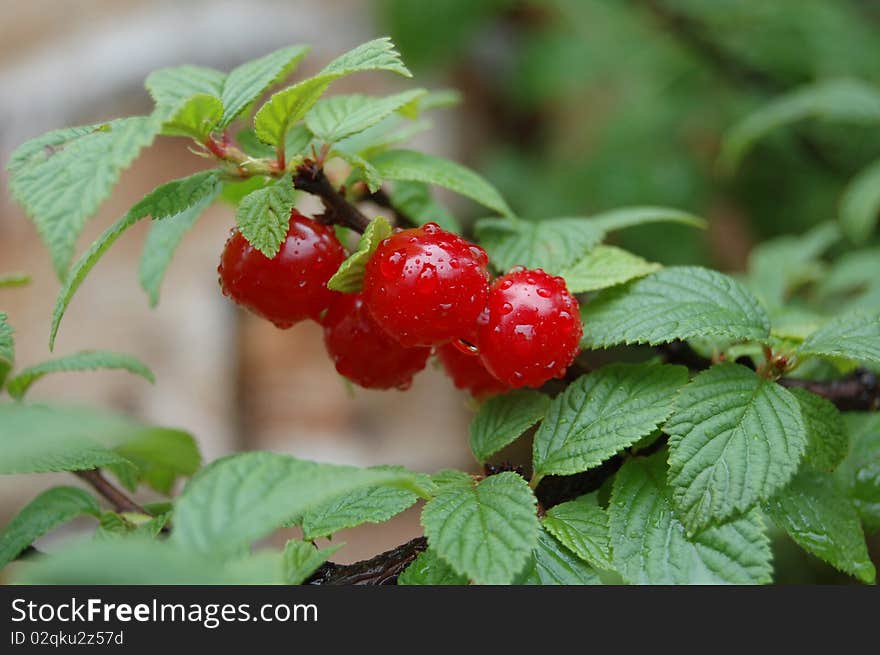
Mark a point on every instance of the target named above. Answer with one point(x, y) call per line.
point(569, 106)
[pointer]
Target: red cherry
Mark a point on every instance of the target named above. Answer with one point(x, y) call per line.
point(291, 286)
point(363, 352)
point(531, 329)
point(425, 286)
point(467, 371)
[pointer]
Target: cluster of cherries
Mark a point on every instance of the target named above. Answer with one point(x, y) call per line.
point(424, 289)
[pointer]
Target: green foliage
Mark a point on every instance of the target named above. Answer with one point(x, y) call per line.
point(43, 514)
point(429, 569)
point(9, 280)
point(484, 531)
point(581, 525)
point(336, 118)
point(500, 420)
point(87, 360)
point(735, 439)
point(652, 546)
point(859, 474)
point(349, 277)
point(551, 564)
point(263, 216)
point(827, 438)
point(606, 266)
point(7, 348)
point(300, 559)
point(195, 118)
point(414, 200)
point(172, 88)
point(860, 204)
point(603, 412)
point(854, 336)
point(161, 456)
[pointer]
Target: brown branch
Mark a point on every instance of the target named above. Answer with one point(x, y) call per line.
point(310, 177)
point(120, 502)
point(382, 199)
point(382, 569)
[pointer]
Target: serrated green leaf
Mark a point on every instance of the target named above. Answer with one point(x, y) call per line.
point(246, 83)
point(415, 201)
point(288, 106)
point(581, 525)
point(86, 360)
point(163, 201)
point(413, 166)
point(114, 525)
point(233, 191)
point(429, 569)
point(854, 336)
point(7, 348)
point(370, 505)
point(601, 413)
point(44, 513)
point(166, 234)
point(392, 131)
point(551, 564)
point(350, 276)
point(624, 217)
point(606, 266)
point(238, 499)
point(651, 546)
point(195, 118)
point(451, 477)
point(860, 204)
point(61, 178)
point(161, 456)
point(300, 559)
point(843, 100)
point(734, 441)
point(680, 302)
point(263, 216)
point(827, 439)
point(820, 519)
point(172, 87)
point(361, 169)
point(859, 474)
point(485, 531)
point(500, 420)
point(9, 280)
point(336, 118)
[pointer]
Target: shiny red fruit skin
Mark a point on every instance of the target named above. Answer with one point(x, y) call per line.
point(531, 329)
point(426, 286)
point(363, 352)
point(290, 287)
point(468, 373)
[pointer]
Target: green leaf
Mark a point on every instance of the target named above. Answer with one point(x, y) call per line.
point(860, 204)
point(113, 525)
point(485, 531)
point(171, 88)
point(854, 336)
point(651, 546)
point(166, 234)
point(161, 456)
point(236, 500)
point(361, 169)
point(500, 420)
point(7, 348)
point(350, 276)
point(86, 360)
point(606, 266)
point(820, 519)
point(288, 106)
point(451, 477)
point(44, 513)
point(335, 118)
point(413, 166)
point(234, 191)
point(843, 100)
point(551, 564)
point(680, 302)
point(624, 217)
point(735, 440)
point(9, 280)
point(370, 505)
point(414, 200)
point(246, 83)
point(195, 118)
point(300, 559)
point(601, 413)
point(859, 474)
point(827, 439)
point(581, 525)
point(263, 216)
point(62, 177)
point(164, 201)
point(429, 569)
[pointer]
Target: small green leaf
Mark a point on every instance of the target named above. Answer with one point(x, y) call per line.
point(171, 88)
point(581, 525)
point(263, 216)
point(606, 266)
point(414, 200)
point(336, 118)
point(734, 440)
point(361, 168)
point(651, 545)
point(680, 302)
point(859, 474)
point(451, 477)
point(500, 420)
point(9, 280)
point(86, 360)
point(238, 499)
point(161, 456)
point(827, 439)
point(429, 569)
point(551, 564)
point(195, 118)
point(854, 336)
point(413, 166)
point(860, 204)
point(823, 522)
point(601, 413)
point(620, 219)
point(350, 276)
point(485, 531)
point(44, 513)
point(369, 505)
point(246, 83)
point(7, 348)
point(300, 559)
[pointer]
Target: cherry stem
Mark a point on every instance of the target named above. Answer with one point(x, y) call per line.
point(310, 177)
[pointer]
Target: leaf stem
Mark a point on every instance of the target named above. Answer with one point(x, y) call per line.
point(120, 502)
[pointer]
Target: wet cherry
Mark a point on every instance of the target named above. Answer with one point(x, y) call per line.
point(468, 372)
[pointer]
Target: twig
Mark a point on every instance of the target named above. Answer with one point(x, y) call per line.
point(382, 199)
point(382, 569)
point(120, 502)
point(310, 177)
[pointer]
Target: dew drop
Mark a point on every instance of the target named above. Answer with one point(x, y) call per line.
point(530, 280)
point(393, 265)
point(453, 263)
point(427, 280)
point(544, 293)
point(479, 255)
point(506, 285)
point(506, 308)
point(525, 331)
point(466, 347)
point(430, 228)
